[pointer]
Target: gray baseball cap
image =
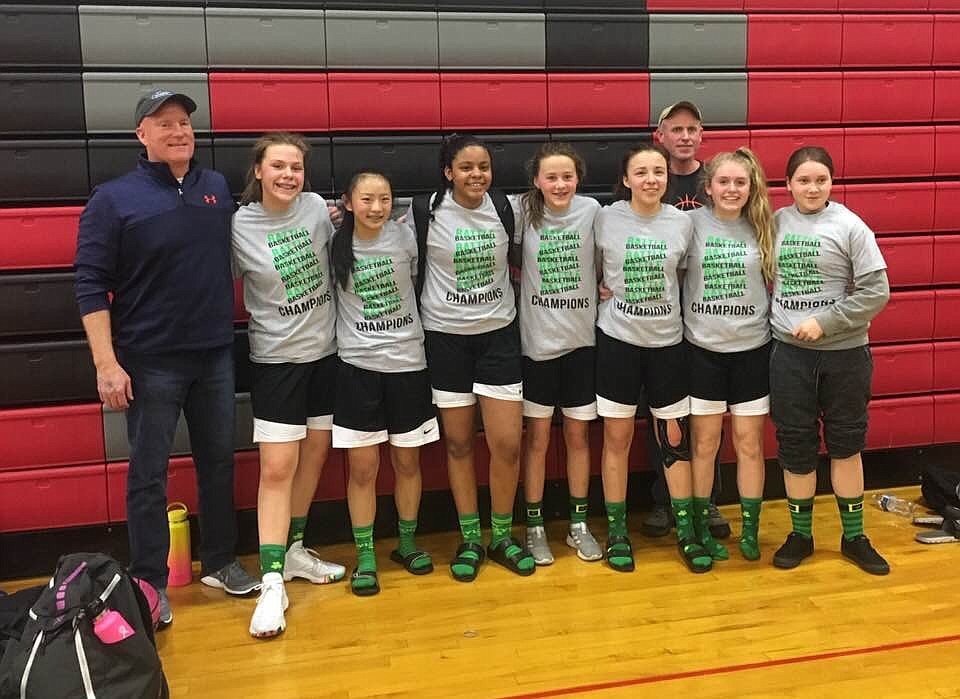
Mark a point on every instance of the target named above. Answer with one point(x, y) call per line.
point(152, 101)
point(676, 107)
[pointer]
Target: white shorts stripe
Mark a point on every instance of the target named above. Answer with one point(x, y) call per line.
point(510, 391)
point(452, 399)
point(610, 408)
point(759, 406)
point(345, 438)
point(426, 433)
point(671, 412)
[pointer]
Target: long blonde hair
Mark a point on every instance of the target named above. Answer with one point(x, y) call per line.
point(757, 209)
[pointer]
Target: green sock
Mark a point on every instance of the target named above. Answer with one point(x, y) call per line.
point(618, 555)
point(801, 515)
point(408, 543)
point(470, 529)
point(272, 557)
point(851, 516)
point(683, 514)
point(701, 523)
point(366, 555)
point(297, 526)
point(750, 528)
point(535, 514)
point(578, 510)
point(501, 526)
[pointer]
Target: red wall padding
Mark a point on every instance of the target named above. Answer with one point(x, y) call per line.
point(38, 238)
point(384, 101)
point(53, 497)
point(62, 435)
point(269, 101)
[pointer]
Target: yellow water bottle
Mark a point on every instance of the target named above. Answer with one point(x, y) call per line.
point(178, 559)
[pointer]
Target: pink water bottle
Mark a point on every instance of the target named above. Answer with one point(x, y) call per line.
point(178, 559)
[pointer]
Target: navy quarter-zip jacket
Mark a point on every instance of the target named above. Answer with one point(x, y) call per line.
point(162, 249)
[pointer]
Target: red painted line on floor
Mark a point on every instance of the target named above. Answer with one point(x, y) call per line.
point(725, 669)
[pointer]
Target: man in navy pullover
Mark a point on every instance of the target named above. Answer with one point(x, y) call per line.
point(155, 292)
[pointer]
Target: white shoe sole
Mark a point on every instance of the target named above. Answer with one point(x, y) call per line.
point(316, 580)
point(275, 632)
point(211, 581)
point(573, 544)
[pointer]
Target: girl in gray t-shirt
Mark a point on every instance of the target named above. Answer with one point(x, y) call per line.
point(280, 242)
point(383, 392)
point(725, 313)
point(473, 346)
point(830, 282)
point(558, 313)
point(640, 244)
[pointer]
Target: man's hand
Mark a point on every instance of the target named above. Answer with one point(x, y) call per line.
point(114, 386)
point(605, 293)
point(336, 216)
point(808, 331)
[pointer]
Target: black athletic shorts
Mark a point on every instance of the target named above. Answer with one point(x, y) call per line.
point(289, 398)
point(464, 366)
point(739, 381)
point(626, 373)
point(374, 407)
point(567, 381)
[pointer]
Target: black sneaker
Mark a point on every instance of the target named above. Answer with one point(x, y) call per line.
point(658, 522)
point(860, 551)
point(794, 550)
point(718, 524)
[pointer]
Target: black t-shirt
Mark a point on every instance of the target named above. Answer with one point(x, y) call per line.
point(685, 192)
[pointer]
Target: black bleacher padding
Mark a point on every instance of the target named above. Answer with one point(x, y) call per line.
point(32, 170)
point(38, 304)
point(45, 35)
point(602, 153)
point(510, 155)
point(587, 41)
point(409, 161)
point(638, 6)
point(41, 103)
point(45, 372)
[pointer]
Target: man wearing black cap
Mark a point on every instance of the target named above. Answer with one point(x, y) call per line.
point(158, 241)
point(680, 130)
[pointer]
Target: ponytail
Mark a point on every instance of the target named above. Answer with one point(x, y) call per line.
point(532, 202)
point(341, 251)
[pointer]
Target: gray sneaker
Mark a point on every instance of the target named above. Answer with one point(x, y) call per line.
point(538, 546)
point(163, 606)
point(718, 525)
point(232, 579)
point(658, 523)
point(583, 541)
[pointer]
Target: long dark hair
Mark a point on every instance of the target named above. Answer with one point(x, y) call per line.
point(532, 201)
point(451, 146)
point(620, 190)
point(800, 156)
point(253, 191)
point(341, 251)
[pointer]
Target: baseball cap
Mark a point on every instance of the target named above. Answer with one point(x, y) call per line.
point(152, 101)
point(676, 106)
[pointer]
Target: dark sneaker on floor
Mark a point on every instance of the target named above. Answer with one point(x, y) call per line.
point(658, 522)
point(794, 550)
point(718, 524)
point(232, 579)
point(860, 551)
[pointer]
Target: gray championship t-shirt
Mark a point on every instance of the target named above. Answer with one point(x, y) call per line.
point(466, 289)
point(639, 258)
point(285, 268)
point(818, 258)
point(558, 304)
point(378, 327)
point(726, 307)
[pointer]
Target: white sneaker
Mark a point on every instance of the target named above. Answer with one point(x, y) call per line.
point(268, 620)
point(305, 563)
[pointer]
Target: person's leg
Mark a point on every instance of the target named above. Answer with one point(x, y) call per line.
point(406, 495)
point(209, 410)
point(503, 429)
point(659, 520)
point(278, 464)
point(362, 501)
point(794, 407)
point(160, 386)
point(534, 472)
point(748, 444)
point(578, 404)
point(614, 465)
point(459, 434)
point(704, 446)
point(845, 394)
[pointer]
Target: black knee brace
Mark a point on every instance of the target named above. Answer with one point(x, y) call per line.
point(671, 453)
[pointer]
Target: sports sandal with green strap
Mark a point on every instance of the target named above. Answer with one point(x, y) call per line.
point(364, 590)
point(411, 558)
point(620, 547)
point(472, 563)
point(498, 554)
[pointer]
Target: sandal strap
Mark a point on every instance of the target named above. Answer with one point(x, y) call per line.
point(470, 546)
point(620, 541)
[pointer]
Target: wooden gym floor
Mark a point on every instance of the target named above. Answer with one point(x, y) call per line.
point(745, 629)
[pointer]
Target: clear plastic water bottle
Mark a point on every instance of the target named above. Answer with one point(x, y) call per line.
point(891, 503)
